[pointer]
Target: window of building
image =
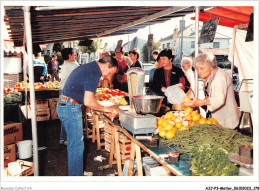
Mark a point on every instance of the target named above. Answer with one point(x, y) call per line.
point(168, 45)
point(215, 44)
point(192, 45)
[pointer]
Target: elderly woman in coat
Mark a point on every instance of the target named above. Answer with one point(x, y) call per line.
point(218, 89)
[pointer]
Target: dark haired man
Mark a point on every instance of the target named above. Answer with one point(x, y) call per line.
point(53, 68)
point(168, 75)
point(80, 88)
point(68, 66)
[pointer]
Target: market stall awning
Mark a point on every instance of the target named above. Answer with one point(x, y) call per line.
point(229, 15)
point(67, 24)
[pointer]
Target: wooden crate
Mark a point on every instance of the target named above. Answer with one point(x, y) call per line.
point(54, 114)
point(53, 102)
point(27, 168)
point(107, 146)
point(123, 156)
point(43, 114)
point(108, 128)
point(107, 137)
point(125, 148)
point(124, 139)
point(41, 104)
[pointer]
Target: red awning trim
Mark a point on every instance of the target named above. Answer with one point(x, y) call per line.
point(229, 15)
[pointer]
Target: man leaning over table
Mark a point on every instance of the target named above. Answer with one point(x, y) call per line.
point(80, 88)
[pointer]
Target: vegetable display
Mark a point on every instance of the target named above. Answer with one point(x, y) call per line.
point(209, 160)
point(211, 134)
point(12, 97)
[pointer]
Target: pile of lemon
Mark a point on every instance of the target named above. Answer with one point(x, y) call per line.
point(172, 122)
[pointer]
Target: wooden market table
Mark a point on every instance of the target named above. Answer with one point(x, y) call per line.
point(179, 169)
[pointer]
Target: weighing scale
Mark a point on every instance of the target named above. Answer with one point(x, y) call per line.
point(130, 120)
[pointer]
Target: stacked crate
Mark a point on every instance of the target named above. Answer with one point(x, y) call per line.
point(107, 136)
point(125, 146)
point(42, 110)
point(52, 105)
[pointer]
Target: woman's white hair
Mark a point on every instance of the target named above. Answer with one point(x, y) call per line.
point(207, 59)
point(186, 60)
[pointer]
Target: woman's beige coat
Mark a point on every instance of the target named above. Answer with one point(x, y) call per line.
point(223, 104)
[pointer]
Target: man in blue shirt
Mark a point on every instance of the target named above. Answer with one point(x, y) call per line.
point(80, 88)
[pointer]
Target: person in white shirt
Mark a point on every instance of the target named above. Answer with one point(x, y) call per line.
point(67, 67)
point(186, 68)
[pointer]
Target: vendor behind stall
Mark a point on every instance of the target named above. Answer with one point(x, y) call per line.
point(80, 88)
point(168, 75)
point(218, 89)
point(124, 63)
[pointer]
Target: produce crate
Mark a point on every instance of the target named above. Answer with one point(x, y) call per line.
point(125, 148)
point(54, 114)
point(108, 128)
point(43, 114)
point(107, 146)
point(123, 156)
point(41, 104)
point(53, 102)
point(107, 137)
point(124, 139)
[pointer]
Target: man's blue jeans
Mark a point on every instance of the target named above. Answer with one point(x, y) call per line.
point(63, 136)
point(71, 116)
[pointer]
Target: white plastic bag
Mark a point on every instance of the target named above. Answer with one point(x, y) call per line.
point(174, 94)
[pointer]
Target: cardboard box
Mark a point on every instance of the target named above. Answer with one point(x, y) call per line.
point(10, 152)
point(13, 132)
point(54, 114)
point(53, 102)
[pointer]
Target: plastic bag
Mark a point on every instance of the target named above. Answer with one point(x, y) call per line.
point(174, 94)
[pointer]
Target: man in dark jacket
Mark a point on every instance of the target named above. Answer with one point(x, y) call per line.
point(53, 68)
point(168, 75)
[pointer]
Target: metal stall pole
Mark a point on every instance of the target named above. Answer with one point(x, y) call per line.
point(197, 48)
point(27, 22)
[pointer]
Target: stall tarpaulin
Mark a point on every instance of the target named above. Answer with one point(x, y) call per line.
point(241, 54)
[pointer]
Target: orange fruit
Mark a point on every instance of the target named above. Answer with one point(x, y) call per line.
point(186, 99)
point(189, 117)
point(188, 110)
point(159, 121)
point(213, 121)
point(169, 115)
point(168, 127)
point(169, 134)
point(196, 118)
point(165, 123)
point(178, 125)
point(174, 117)
point(193, 123)
point(203, 121)
point(193, 113)
point(162, 133)
point(185, 127)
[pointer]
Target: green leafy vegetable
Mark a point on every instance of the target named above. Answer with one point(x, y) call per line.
point(209, 160)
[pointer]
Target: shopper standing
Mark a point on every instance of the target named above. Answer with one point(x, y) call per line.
point(68, 66)
point(53, 68)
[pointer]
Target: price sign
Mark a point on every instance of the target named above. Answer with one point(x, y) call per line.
point(150, 42)
point(119, 45)
point(133, 43)
point(250, 29)
point(174, 42)
point(208, 31)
